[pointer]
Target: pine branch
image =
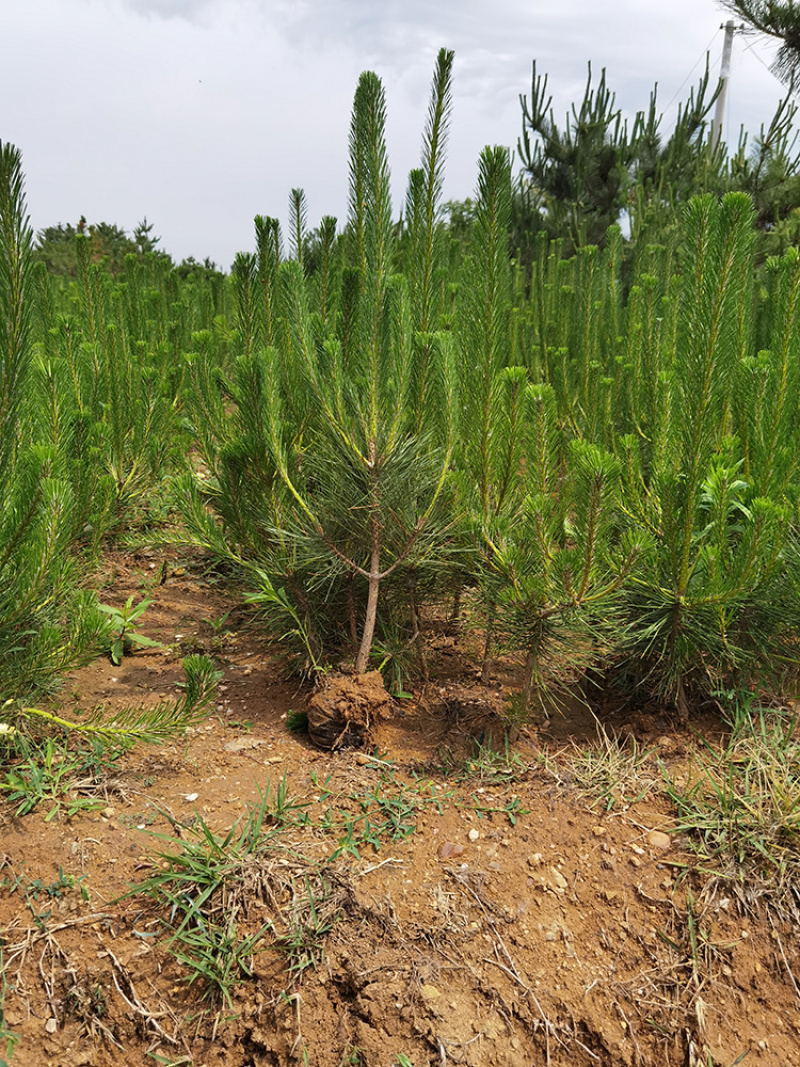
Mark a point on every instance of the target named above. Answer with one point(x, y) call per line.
point(152, 725)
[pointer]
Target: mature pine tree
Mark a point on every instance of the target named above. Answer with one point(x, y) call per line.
point(779, 19)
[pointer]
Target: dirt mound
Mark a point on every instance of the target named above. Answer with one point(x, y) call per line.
point(344, 709)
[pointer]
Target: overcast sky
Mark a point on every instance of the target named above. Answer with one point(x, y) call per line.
point(201, 114)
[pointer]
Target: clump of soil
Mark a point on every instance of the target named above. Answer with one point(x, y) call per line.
point(478, 710)
point(344, 710)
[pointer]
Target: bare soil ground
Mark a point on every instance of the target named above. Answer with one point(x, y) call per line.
point(434, 904)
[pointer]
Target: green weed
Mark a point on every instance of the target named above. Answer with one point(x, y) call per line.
point(123, 634)
point(494, 767)
point(386, 812)
point(308, 921)
point(34, 889)
point(211, 893)
point(218, 624)
point(50, 774)
point(512, 809)
point(352, 1057)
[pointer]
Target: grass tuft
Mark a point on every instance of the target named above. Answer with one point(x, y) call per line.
point(741, 806)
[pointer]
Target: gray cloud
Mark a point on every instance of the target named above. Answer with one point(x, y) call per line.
point(202, 113)
point(190, 10)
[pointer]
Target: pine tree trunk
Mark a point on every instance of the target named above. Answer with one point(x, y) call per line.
point(527, 682)
point(362, 659)
point(416, 632)
point(488, 648)
point(351, 611)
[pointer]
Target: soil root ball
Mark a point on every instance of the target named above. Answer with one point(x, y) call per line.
point(344, 709)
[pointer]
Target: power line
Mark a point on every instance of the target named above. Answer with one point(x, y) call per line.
point(763, 64)
point(702, 55)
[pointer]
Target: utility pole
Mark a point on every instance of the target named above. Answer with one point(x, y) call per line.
point(724, 75)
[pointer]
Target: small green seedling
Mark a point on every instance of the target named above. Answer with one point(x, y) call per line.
point(218, 624)
point(123, 635)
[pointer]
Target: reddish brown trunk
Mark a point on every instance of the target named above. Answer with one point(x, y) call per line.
point(351, 612)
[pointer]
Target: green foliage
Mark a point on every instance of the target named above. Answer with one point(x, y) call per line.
point(206, 886)
point(579, 176)
point(716, 542)
point(779, 19)
point(150, 724)
point(579, 181)
point(46, 623)
point(123, 635)
point(108, 244)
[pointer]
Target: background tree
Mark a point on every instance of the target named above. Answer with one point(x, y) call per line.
point(55, 245)
point(577, 177)
point(580, 180)
point(779, 19)
point(577, 181)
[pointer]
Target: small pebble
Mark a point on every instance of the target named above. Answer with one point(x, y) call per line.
point(559, 880)
point(474, 834)
point(450, 848)
point(659, 840)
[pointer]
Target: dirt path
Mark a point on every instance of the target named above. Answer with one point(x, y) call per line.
point(420, 907)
